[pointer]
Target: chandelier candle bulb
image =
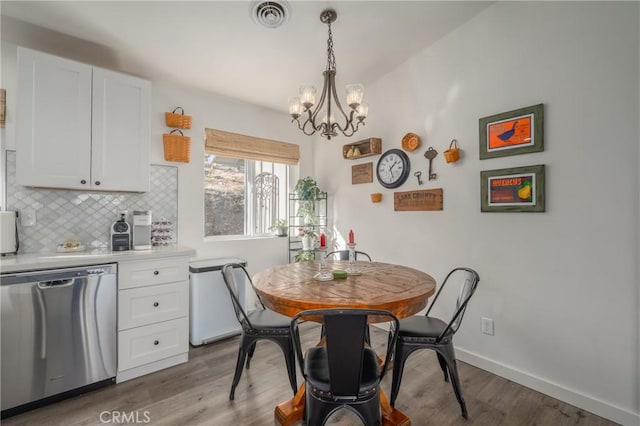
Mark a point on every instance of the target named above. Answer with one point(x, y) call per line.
point(307, 96)
point(362, 111)
point(295, 107)
point(355, 93)
point(323, 240)
point(351, 237)
point(330, 120)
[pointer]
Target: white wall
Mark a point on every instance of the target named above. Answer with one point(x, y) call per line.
point(207, 110)
point(233, 116)
point(561, 286)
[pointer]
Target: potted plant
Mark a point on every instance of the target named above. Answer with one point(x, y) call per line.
point(307, 189)
point(308, 237)
point(307, 192)
point(279, 228)
point(304, 256)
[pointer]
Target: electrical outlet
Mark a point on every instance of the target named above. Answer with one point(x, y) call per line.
point(28, 217)
point(487, 326)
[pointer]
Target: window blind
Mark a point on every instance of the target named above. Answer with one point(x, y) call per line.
point(235, 145)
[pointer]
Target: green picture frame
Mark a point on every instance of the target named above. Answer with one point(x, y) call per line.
point(520, 131)
point(514, 190)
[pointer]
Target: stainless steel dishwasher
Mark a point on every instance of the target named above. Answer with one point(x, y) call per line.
point(58, 334)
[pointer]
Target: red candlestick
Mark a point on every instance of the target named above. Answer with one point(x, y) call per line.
point(323, 240)
point(351, 237)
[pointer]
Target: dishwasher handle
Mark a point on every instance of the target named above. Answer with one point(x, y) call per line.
point(55, 283)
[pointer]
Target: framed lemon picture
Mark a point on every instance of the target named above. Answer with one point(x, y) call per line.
point(518, 189)
point(520, 131)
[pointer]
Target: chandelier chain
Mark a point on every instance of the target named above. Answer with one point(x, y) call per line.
point(331, 58)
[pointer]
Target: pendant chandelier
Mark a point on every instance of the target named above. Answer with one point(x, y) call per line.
point(320, 117)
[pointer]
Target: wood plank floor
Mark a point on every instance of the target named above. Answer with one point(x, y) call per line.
point(196, 393)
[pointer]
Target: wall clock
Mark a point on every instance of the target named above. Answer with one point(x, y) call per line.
point(393, 168)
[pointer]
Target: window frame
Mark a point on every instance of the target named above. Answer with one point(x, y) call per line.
point(250, 172)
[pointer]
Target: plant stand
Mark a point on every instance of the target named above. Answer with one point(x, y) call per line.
point(299, 220)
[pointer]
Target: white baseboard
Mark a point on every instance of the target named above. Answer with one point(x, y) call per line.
point(570, 396)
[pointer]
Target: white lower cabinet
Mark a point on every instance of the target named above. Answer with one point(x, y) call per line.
point(148, 305)
point(153, 315)
point(143, 345)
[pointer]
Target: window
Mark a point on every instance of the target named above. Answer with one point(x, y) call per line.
point(243, 197)
point(246, 182)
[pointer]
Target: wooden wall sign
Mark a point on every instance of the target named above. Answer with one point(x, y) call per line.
point(425, 199)
point(362, 173)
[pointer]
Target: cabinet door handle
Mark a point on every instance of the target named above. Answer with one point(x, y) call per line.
point(156, 272)
point(97, 182)
point(156, 304)
point(83, 181)
point(156, 342)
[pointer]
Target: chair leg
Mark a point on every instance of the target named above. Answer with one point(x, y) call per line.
point(290, 359)
point(316, 411)
point(242, 354)
point(400, 358)
point(370, 411)
point(250, 352)
point(450, 358)
point(443, 365)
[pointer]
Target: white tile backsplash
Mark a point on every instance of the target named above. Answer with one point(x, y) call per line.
point(85, 216)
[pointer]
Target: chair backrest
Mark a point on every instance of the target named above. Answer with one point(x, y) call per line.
point(228, 275)
point(345, 331)
point(344, 255)
point(468, 279)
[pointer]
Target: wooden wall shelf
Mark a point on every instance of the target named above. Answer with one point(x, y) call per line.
point(367, 148)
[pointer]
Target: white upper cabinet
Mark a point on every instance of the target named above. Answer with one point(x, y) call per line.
point(120, 132)
point(53, 133)
point(80, 127)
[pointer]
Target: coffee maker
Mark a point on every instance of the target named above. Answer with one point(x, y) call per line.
point(141, 229)
point(121, 234)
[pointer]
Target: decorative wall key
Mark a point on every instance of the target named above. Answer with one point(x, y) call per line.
point(418, 174)
point(430, 155)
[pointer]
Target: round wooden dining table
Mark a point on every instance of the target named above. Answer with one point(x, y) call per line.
point(291, 288)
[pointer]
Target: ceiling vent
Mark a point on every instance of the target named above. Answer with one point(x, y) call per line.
point(270, 14)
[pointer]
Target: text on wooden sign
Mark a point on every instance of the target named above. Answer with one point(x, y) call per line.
point(362, 173)
point(424, 199)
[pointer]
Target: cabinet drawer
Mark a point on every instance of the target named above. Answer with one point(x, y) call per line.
point(146, 305)
point(142, 345)
point(151, 272)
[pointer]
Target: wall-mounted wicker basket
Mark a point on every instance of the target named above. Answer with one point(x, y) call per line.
point(452, 154)
point(176, 147)
point(180, 121)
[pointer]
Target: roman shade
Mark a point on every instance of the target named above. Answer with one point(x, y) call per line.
point(234, 145)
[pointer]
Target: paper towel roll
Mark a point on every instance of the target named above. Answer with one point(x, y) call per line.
point(8, 232)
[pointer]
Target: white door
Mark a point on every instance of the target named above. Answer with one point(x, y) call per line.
point(121, 132)
point(53, 121)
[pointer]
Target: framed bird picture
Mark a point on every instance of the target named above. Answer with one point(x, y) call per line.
point(520, 131)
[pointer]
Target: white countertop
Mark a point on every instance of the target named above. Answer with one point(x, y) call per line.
point(44, 260)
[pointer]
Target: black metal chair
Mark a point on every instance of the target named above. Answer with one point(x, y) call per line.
point(344, 373)
point(344, 254)
point(426, 332)
point(261, 324)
